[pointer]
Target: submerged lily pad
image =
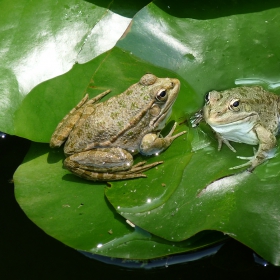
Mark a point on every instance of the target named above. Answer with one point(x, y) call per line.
point(182, 197)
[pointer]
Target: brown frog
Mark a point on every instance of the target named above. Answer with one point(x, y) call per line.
point(101, 138)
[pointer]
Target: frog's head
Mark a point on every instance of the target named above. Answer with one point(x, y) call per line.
point(163, 93)
point(229, 106)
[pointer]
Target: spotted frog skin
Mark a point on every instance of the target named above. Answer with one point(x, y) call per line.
point(244, 114)
point(102, 137)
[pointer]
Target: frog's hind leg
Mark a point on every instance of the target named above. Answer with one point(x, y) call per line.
point(66, 125)
point(94, 176)
point(134, 172)
point(140, 167)
point(98, 97)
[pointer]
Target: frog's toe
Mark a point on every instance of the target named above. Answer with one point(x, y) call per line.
point(94, 176)
point(141, 163)
point(246, 158)
point(246, 164)
point(241, 165)
point(141, 167)
point(252, 162)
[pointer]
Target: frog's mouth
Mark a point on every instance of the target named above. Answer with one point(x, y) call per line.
point(166, 107)
point(215, 121)
point(160, 122)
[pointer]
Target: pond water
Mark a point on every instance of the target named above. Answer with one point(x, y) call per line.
point(26, 252)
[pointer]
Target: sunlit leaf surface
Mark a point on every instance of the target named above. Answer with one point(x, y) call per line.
point(41, 40)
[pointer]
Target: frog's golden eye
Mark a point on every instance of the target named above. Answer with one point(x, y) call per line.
point(161, 95)
point(233, 105)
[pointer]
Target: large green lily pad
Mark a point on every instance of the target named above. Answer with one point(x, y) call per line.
point(244, 206)
point(78, 214)
point(180, 198)
point(41, 40)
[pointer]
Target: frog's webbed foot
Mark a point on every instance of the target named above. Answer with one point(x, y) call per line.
point(197, 118)
point(153, 144)
point(169, 135)
point(248, 163)
point(140, 167)
point(133, 173)
point(95, 176)
point(253, 161)
point(221, 141)
point(66, 125)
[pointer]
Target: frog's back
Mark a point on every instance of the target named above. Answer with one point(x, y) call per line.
point(265, 103)
point(101, 122)
point(269, 109)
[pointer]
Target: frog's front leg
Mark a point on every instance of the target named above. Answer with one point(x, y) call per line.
point(267, 141)
point(197, 118)
point(66, 125)
point(222, 140)
point(106, 164)
point(152, 144)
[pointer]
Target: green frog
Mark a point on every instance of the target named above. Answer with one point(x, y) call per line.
point(102, 137)
point(244, 114)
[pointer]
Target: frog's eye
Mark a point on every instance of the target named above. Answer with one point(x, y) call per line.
point(233, 105)
point(161, 95)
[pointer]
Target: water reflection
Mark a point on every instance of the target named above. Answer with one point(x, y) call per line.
point(154, 263)
point(261, 82)
point(260, 260)
point(2, 135)
point(228, 255)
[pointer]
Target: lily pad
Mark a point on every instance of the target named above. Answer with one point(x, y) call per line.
point(78, 214)
point(205, 51)
point(243, 206)
point(198, 203)
point(41, 40)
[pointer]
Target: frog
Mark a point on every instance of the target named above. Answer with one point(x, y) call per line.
point(102, 137)
point(245, 114)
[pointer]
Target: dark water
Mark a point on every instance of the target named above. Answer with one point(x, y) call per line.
point(26, 252)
